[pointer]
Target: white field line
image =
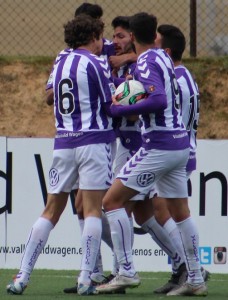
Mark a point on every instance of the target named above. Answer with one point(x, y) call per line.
point(143, 278)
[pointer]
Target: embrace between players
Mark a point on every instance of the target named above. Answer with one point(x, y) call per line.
point(152, 163)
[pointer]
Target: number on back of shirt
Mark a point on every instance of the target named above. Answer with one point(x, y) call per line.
point(65, 96)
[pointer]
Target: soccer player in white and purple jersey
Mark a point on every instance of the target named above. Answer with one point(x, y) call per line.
point(172, 40)
point(190, 103)
point(82, 148)
point(129, 133)
point(161, 160)
point(107, 50)
point(95, 11)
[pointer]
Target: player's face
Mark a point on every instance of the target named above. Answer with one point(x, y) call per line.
point(158, 41)
point(122, 41)
point(98, 45)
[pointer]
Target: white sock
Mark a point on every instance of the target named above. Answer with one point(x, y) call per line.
point(91, 239)
point(171, 227)
point(37, 240)
point(106, 232)
point(190, 239)
point(132, 231)
point(161, 237)
point(115, 265)
point(81, 224)
point(98, 269)
point(121, 239)
point(107, 238)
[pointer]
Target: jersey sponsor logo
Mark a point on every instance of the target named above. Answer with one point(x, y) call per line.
point(145, 178)
point(53, 177)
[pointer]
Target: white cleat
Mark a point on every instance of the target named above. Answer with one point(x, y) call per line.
point(188, 289)
point(15, 288)
point(119, 282)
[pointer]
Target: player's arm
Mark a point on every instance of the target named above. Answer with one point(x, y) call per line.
point(49, 96)
point(116, 61)
point(152, 104)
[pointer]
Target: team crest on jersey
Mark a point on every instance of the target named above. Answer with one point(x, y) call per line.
point(53, 177)
point(145, 178)
point(151, 88)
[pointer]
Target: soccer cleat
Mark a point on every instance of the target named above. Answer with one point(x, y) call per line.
point(15, 288)
point(176, 280)
point(188, 289)
point(119, 282)
point(206, 274)
point(86, 290)
point(119, 291)
point(71, 290)
point(98, 279)
point(74, 289)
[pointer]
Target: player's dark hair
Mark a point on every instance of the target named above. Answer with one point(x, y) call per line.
point(81, 30)
point(172, 38)
point(144, 27)
point(121, 21)
point(93, 10)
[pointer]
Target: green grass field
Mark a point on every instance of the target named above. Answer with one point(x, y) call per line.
point(49, 284)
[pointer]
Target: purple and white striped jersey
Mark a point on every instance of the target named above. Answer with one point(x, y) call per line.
point(107, 50)
point(59, 57)
point(81, 89)
point(128, 131)
point(163, 129)
point(189, 99)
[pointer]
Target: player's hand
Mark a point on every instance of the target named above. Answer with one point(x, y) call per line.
point(115, 72)
point(116, 61)
point(132, 118)
point(114, 101)
point(129, 77)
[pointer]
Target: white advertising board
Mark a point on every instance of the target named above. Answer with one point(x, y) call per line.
point(24, 166)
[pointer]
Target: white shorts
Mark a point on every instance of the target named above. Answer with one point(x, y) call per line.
point(189, 173)
point(90, 165)
point(122, 156)
point(164, 168)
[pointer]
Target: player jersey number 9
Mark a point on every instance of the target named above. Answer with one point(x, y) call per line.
point(175, 91)
point(65, 97)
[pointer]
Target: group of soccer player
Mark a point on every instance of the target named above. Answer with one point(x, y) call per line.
point(145, 177)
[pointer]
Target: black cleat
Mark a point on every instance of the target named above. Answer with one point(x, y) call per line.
point(176, 280)
point(72, 290)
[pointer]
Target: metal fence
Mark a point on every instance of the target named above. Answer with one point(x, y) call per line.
point(35, 27)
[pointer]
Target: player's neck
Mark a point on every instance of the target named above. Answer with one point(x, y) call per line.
point(84, 48)
point(140, 48)
point(177, 63)
point(91, 47)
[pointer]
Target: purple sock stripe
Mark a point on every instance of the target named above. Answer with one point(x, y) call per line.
point(167, 249)
point(26, 246)
point(191, 274)
point(127, 266)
